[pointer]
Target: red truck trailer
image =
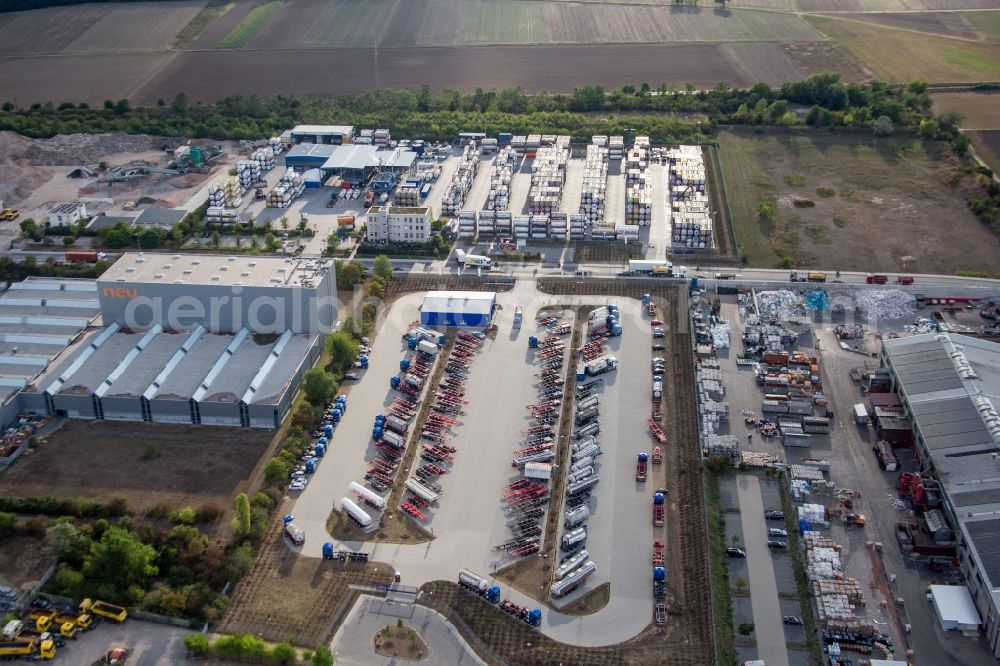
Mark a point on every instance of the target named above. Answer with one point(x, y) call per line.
point(81, 256)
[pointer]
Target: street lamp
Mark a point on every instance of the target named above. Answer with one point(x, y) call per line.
point(138, 245)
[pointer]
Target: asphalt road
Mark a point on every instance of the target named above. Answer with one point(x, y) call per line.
point(768, 627)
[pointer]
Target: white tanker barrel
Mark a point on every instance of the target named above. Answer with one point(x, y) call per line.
point(572, 563)
point(367, 495)
point(586, 461)
point(571, 581)
point(421, 490)
point(580, 486)
point(584, 443)
point(393, 439)
point(472, 581)
point(355, 512)
point(587, 403)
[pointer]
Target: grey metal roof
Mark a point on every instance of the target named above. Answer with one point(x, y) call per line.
point(159, 216)
point(280, 374)
point(360, 157)
point(234, 377)
point(191, 370)
point(99, 364)
point(980, 497)
point(147, 365)
point(310, 150)
point(99, 222)
point(954, 422)
point(985, 536)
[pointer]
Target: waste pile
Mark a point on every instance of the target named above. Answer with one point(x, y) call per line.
point(886, 303)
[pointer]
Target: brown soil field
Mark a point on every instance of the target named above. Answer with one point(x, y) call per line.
point(47, 30)
point(422, 22)
point(949, 24)
point(287, 25)
point(135, 26)
point(299, 598)
point(592, 23)
point(816, 57)
point(890, 5)
point(23, 561)
point(987, 144)
point(981, 110)
point(221, 27)
point(83, 78)
point(104, 459)
point(851, 202)
point(209, 75)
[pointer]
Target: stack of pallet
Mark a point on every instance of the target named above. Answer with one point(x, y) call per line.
point(461, 183)
point(595, 182)
point(500, 177)
point(548, 175)
point(690, 216)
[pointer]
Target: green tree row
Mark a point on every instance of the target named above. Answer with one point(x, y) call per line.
point(586, 111)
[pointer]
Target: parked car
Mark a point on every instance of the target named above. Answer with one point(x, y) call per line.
point(780, 545)
point(655, 322)
point(298, 485)
point(44, 604)
point(658, 347)
point(735, 552)
point(352, 376)
point(776, 532)
point(658, 333)
point(793, 619)
point(774, 515)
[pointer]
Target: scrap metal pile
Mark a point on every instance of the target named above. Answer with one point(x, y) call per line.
point(886, 303)
point(780, 304)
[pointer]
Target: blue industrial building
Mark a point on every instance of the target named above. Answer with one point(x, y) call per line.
point(465, 309)
point(355, 164)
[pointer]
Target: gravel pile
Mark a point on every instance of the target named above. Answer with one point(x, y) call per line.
point(74, 149)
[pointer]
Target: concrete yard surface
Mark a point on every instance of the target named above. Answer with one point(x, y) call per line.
point(352, 644)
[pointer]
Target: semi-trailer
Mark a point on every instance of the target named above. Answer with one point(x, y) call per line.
point(355, 512)
point(658, 502)
point(577, 516)
point(640, 467)
point(29, 649)
point(571, 563)
point(479, 585)
point(396, 424)
point(583, 485)
point(572, 580)
point(600, 365)
point(369, 497)
point(421, 491)
point(573, 538)
point(532, 617)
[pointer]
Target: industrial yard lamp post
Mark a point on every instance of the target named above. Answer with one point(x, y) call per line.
point(138, 245)
point(628, 135)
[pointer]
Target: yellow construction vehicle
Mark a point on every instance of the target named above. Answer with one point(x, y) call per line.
point(103, 609)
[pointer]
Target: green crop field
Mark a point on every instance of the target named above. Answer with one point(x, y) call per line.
point(485, 22)
point(987, 23)
point(737, 25)
point(851, 201)
point(249, 26)
point(901, 55)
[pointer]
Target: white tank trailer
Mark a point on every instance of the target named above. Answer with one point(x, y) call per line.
point(571, 581)
point(422, 491)
point(571, 563)
point(355, 512)
point(367, 495)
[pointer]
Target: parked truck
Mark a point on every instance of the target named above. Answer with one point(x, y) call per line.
point(571, 563)
point(811, 276)
point(573, 579)
point(518, 316)
point(532, 617)
point(479, 585)
point(44, 651)
point(104, 610)
point(640, 467)
point(659, 499)
point(573, 539)
point(876, 278)
point(600, 365)
point(83, 256)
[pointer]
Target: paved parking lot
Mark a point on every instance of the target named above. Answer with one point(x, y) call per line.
point(469, 521)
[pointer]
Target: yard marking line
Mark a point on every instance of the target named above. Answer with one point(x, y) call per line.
point(768, 627)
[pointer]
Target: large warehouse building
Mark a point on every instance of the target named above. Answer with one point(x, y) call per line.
point(353, 163)
point(193, 339)
point(949, 387)
point(466, 309)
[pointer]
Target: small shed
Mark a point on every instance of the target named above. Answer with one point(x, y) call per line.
point(955, 609)
point(539, 471)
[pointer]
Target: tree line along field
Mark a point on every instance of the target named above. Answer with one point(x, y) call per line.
point(850, 201)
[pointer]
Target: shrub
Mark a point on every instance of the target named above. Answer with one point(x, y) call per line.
point(183, 516)
point(209, 512)
point(197, 644)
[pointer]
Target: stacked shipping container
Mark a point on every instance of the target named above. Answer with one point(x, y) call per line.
point(500, 177)
point(690, 218)
point(595, 182)
point(461, 182)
